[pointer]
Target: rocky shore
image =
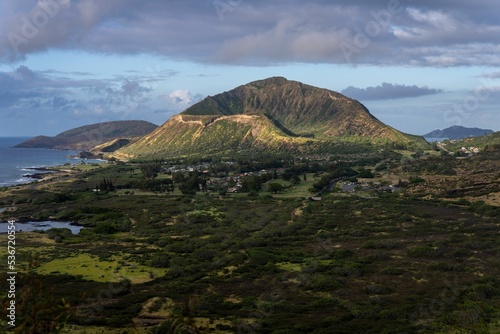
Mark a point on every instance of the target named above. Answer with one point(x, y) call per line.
point(38, 176)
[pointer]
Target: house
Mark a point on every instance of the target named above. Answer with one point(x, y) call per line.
point(233, 189)
point(348, 187)
point(352, 187)
point(389, 188)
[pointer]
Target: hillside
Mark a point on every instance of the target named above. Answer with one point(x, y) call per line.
point(274, 114)
point(489, 141)
point(458, 132)
point(112, 145)
point(89, 136)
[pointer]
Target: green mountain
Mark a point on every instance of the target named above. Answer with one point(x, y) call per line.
point(458, 132)
point(487, 142)
point(270, 114)
point(89, 136)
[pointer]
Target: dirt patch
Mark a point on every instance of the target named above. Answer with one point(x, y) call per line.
point(490, 199)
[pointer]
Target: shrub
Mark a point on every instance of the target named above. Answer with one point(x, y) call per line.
point(366, 174)
point(58, 234)
point(443, 266)
point(392, 270)
point(160, 261)
point(377, 289)
point(322, 282)
point(381, 244)
point(424, 251)
point(105, 228)
point(274, 187)
point(416, 179)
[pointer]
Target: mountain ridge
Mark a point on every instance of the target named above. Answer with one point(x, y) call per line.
point(273, 113)
point(458, 132)
point(88, 136)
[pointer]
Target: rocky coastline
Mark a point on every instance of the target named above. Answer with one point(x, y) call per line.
point(44, 172)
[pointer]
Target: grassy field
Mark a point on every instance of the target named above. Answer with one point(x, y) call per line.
point(91, 268)
point(300, 190)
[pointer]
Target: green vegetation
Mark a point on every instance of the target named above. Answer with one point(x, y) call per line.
point(90, 267)
point(265, 244)
point(487, 142)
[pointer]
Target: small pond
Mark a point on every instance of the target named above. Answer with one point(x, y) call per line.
point(40, 226)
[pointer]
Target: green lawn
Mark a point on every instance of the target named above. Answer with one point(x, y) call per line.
point(90, 267)
point(297, 191)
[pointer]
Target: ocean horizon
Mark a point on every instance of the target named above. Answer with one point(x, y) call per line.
point(16, 163)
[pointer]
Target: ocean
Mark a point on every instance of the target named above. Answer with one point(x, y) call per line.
point(16, 162)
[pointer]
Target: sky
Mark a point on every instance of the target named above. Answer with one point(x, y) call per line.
point(416, 65)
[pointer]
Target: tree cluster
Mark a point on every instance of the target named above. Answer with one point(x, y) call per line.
point(151, 170)
point(106, 185)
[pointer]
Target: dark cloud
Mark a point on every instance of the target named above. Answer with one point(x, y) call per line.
point(494, 75)
point(24, 91)
point(59, 102)
point(149, 75)
point(133, 89)
point(18, 86)
point(417, 33)
point(388, 91)
point(54, 72)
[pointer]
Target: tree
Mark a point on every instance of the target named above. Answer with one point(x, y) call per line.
point(106, 185)
point(251, 182)
point(178, 177)
point(203, 183)
point(150, 170)
point(157, 186)
point(295, 180)
point(366, 174)
point(274, 187)
point(416, 179)
point(191, 185)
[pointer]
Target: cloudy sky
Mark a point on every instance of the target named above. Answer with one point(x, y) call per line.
point(416, 65)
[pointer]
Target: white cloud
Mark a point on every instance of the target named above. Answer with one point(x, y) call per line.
point(179, 100)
